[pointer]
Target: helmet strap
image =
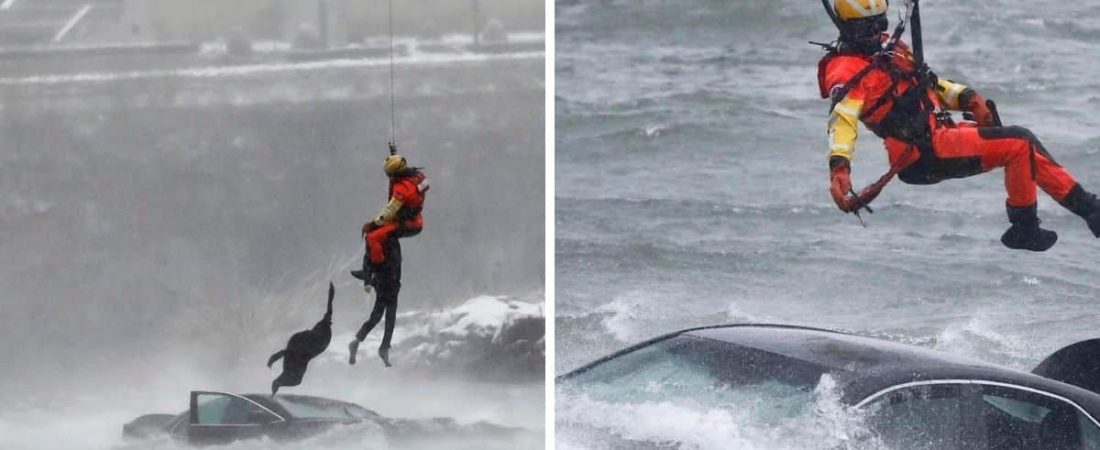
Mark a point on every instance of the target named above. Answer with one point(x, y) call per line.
point(863, 35)
point(831, 13)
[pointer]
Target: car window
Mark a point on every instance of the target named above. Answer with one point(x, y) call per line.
point(709, 372)
point(1019, 419)
point(1090, 434)
point(926, 417)
point(979, 417)
point(222, 409)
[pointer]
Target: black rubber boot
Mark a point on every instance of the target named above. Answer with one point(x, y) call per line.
point(1025, 234)
point(1085, 205)
point(366, 274)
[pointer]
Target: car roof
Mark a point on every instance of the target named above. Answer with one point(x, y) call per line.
point(269, 397)
point(864, 366)
point(270, 402)
point(838, 351)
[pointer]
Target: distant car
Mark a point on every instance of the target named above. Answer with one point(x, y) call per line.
point(912, 398)
point(219, 418)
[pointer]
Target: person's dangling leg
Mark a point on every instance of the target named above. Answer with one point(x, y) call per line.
point(388, 291)
point(1030, 162)
point(1056, 181)
point(1085, 205)
point(388, 283)
point(375, 253)
point(376, 240)
point(365, 272)
point(375, 317)
point(1013, 149)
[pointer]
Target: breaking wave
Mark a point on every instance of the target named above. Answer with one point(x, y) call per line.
point(746, 418)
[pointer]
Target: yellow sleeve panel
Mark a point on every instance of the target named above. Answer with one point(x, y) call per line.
point(948, 91)
point(844, 127)
point(388, 212)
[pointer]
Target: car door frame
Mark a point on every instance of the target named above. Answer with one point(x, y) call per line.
point(224, 433)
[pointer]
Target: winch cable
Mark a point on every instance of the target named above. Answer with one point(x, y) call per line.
point(393, 95)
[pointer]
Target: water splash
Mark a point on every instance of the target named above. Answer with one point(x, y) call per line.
point(751, 418)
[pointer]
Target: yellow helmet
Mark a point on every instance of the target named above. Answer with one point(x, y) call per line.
point(859, 9)
point(394, 164)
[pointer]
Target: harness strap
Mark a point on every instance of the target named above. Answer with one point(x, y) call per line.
point(851, 84)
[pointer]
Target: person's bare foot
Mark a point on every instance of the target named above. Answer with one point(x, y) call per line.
point(384, 353)
point(353, 349)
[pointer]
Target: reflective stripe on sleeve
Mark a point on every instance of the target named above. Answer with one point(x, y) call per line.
point(949, 93)
point(844, 127)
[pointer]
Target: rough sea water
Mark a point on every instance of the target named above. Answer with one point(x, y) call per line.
point(167, 229)
point(692, 189)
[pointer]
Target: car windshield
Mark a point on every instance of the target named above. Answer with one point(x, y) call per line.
point(317, 408)
point(705, 371)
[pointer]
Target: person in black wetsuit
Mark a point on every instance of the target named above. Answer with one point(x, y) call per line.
point(387, 284)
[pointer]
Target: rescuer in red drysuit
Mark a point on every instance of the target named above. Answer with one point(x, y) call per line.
point(881, 90)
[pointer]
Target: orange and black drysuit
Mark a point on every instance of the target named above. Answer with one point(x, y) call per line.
point(400, 218)
point(923, 139)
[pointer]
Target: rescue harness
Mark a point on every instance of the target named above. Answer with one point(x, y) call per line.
point(908, 118)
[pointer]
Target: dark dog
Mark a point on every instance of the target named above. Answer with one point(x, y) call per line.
point(302, 347)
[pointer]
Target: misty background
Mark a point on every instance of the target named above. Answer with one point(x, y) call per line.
point(180, 180)
point(115, 21)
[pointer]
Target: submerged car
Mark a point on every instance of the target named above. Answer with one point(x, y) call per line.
point(220, 417)
point(215, 418)
point(911, 398)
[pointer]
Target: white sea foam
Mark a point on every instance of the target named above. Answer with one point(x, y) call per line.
point(752, 419)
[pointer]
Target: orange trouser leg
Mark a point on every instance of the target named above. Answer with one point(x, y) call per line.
point(964, 151)
point(1011, 153)
point(1041, 168)
point(375, 239)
